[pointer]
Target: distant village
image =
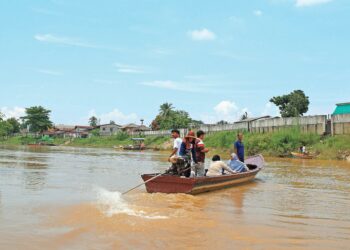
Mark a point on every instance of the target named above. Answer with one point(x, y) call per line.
point(80, 131)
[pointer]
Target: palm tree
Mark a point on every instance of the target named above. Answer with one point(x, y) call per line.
point(165, 109)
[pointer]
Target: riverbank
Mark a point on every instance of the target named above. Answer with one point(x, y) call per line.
point(277, 144)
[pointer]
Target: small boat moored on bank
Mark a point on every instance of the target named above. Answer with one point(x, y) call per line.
point(302, 155)
point(196, 185)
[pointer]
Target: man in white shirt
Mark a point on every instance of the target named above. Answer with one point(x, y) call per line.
point(176, 147)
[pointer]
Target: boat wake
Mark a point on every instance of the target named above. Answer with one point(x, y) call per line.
point(112, 203)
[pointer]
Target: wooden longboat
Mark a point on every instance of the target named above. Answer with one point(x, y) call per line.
point(196, 185)
point(302, 156)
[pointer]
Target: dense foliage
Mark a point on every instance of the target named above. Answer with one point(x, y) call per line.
point(293, 104)
point(37, 118)
point(9, 126)
point(168, 118)
point(93, 121)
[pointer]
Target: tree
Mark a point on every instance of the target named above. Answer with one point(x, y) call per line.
point(38, 119)
point(1, 116)
point(165, 109)
point(168, 118)
point(222, 122)
point(293, 104)
point(111, 122)
point(15, 124)
point(244, 116)
point(93, 121)
point(5, 128)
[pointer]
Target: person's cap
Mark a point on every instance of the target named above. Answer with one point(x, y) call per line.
point(191, 135)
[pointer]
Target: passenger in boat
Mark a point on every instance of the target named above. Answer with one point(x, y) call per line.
point(198, 169)
point(239, 147)
point(217, 166)
point(175, 153)
point(235, 164)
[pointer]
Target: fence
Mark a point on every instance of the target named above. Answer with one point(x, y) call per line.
point(340, 124)
point(318, 124)
point(183, 132)
point(307, 124)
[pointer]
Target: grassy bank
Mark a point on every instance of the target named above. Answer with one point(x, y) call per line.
point(94, 141)
point(279, 143)
point(283, 142)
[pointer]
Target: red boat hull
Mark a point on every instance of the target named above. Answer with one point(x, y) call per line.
point(176, 184)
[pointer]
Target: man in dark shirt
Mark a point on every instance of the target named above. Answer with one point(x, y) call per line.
point(239, 147)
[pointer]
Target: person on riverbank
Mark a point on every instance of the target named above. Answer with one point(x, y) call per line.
point(175, 153)
point(198, 169)
point(239, 147)
point(217, 167)
point(235, 164)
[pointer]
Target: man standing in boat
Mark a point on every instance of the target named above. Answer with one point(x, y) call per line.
point(175, 134)
point(239, 147)
point(198, 168)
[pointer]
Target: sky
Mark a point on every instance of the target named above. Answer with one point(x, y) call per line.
point(121, 59)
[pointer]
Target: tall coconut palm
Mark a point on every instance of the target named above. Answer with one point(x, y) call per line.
point(165, 109)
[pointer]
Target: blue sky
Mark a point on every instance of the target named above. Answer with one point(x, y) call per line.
point(121, 59)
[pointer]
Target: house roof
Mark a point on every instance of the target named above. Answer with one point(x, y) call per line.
point(130, 125)
point(108, 124)
point(87, 127)
point(342, 108)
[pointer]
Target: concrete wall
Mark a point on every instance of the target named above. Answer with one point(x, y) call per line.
point(341, 124)
point(308, 124)
point(225, 127)
point(109, 129)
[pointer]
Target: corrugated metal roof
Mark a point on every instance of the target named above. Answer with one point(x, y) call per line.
point(342, 108)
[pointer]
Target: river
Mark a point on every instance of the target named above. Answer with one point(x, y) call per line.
point(69, 198)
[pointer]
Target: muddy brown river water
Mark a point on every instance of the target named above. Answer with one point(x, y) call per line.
point(69, 198)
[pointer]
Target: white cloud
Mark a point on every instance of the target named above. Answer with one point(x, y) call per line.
point(49, 38)
point(70, 41)
point(257, 12)
point(115, 115)
point(202, 35)
point(305, 3)
point(129, 69)
point(46, 11)
point(270, 110)
point(225, 110)
point(49, 72)
point(15, 112)
point(179, 86)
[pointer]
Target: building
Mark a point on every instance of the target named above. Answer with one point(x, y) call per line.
point(109, 129)
point(342, 109)
point(81, 131)
point(133, 128)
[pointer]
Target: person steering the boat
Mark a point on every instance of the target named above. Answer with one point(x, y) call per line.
point(184, 155)
point(188, 153)
point(217, 167)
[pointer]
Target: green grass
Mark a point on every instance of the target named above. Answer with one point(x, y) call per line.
point(279, 143)
point(282, 142)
